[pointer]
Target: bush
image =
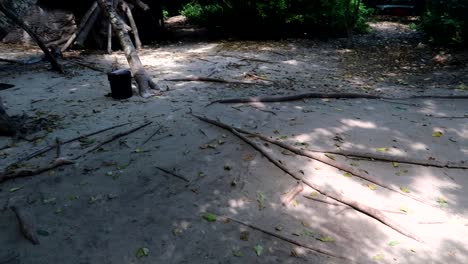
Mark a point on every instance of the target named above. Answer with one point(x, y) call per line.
point(445, 21)
point(322, 17)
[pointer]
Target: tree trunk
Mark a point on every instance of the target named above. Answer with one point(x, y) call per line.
point(144, 81)
point(7, 128)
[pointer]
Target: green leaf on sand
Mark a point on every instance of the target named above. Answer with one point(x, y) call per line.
point(404, 189)
point(326, 239)
point(382, 149)
point(209, 217)
point(142, 252)
point(378, 257)
point(258, 250)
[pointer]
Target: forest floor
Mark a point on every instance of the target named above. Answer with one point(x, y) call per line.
point(114, 204)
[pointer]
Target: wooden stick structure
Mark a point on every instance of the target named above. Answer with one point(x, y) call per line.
point(48, 55)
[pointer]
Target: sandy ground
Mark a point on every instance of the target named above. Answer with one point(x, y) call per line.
point(114, 201)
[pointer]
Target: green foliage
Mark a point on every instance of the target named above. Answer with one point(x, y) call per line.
point(445, 21)
point(322, 17)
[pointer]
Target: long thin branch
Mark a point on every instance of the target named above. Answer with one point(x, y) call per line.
point(133, 25)
point(390, 158)
point(272, 99)
point(289, 240)
point(9, 175)
point(112, 138)
point(340, 204)
point(207, 79)
point(322, 157)
point(12, 16)
point(173, 174)
point(372, 212)
point(51, 147)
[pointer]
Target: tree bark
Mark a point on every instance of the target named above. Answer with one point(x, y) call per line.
point(144, 81)
point(7, 127)
point(13, 17)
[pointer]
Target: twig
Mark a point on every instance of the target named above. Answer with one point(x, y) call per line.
point(58, 143)
point(112, 138)
point(207, 79)
point(25, 227)
point(372, 212)
point(8, 175)
point(152, 135)
point(289, 240)
point(298, 97)
point(173, 174)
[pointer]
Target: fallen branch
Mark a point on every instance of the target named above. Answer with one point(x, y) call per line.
point(152, 135)
point(274, 99)
point(207, 79)
point(112, 138)
point(372, 212)
point(173, 174)
point(8, 175)
point(289, 240)
point(25, 227)
point(324, 158)
point(48, 148)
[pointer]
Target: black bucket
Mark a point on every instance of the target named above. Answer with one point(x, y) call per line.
point(120, 83)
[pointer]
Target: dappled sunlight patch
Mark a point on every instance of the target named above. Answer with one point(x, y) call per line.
point(291, 62)
point(239, 203)
point(358, 123)
point(203, 49)
point(418, 146)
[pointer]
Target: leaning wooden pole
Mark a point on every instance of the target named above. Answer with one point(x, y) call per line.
point(129, 14)
point(83, 22)
point(83, 34)
point(12, 16)
point(144, 81)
